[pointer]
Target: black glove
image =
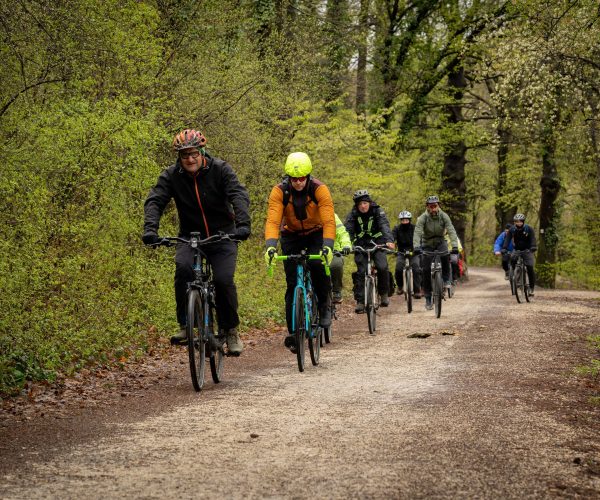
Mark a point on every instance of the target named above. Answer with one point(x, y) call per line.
point(241, 233)
point(417, 251)
point(346, 250)
point(533, 249)
point(504, 251)
point(454, 250)
point(151, 238)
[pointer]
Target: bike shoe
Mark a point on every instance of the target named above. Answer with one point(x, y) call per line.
point(385, 301)
point(399, 291)
point(290, 343)
point(337, 298)
point(325, 317)
point(428, 303)
point(235, 345)
point(360, 308)
point(180, 338)
point(531, 294)
point(417, 295)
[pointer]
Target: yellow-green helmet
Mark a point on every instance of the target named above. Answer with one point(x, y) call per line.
point(298, 165)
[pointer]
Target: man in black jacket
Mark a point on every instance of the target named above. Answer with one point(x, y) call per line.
point(522, 237)
point(209, 199)
point(403, 236)
point(365, 223)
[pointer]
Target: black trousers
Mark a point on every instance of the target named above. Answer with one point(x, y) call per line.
point(383, 276)
point(222, 256)
point(505, 258)
point(416, 272)
point(294, 244)
point(442, 247)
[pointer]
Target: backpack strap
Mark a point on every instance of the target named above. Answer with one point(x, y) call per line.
point(285, 186)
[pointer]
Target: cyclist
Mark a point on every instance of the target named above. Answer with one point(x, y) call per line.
point(522, 237)
point(209, 199)
point(341, 245)
point(403, 236)
point(301, 205)
point(454, 257)
point(498, 248)
point(367, 222)
point(429, 236)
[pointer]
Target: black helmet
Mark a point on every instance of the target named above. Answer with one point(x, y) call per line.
point(432, 199)
point(405, 214)
point(519, 217)
point(361, 195)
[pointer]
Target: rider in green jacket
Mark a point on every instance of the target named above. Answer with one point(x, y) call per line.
point(343, 245)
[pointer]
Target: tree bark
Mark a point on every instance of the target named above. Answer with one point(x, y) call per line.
point(453, 173)
point(504, 213)
point(549, 216)
point(361, 70)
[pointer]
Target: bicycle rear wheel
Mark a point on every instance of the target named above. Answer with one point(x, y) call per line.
point(518, 284)
point(315, 332)
point(409, 290)
point(196, 345)
point(438, 294)
point(300, 327)
point(370, 304)
point(215, 356)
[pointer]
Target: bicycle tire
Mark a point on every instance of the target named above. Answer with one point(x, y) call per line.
point(518, 279)
point(196, 344)
point(438, 294)
point(409, 290)
point(216, 357)
point(327, 333)
point(370, 304)
point(300, 327)
point(315, 333)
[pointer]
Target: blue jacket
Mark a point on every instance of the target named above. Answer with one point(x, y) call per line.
point(500, 242)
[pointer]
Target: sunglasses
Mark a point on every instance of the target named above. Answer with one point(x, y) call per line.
point(192, 154)
point(298, 179)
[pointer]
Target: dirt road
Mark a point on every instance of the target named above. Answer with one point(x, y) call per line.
point(491, 411)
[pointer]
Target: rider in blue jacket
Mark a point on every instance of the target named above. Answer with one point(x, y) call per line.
point(498, 248)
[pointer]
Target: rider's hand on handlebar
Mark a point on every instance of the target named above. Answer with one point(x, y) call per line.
point(390, 245)
point(504, 251)
point(417, 251)
point(241, 233)
point(327, 254)
point(151, 238)
point(346, 250)
point(270, 254)
point(533, 249)
point(454, 250)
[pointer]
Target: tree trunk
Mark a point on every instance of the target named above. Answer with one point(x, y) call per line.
point(453, 174)
point(361, 70)
point(549, 216)
point(504, 213)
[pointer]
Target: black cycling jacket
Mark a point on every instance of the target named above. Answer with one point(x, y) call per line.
point(211, 201)
point(523, 239)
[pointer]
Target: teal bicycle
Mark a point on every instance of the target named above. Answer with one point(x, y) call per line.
point(305, 308)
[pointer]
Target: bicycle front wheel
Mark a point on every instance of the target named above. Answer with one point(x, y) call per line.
point(300, 326)
point(409, 289)
point(519, 284)
point(314, 334)
point(438, 294)
point(370, 304)
point(215, 353)
point(196, 345)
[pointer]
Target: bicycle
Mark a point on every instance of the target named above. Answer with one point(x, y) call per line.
point(437, 281)
point(370, 291)
point(305, 308)
point(520, 279)
point(407, 272)
point(202, 341)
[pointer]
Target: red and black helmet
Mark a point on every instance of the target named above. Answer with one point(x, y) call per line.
point(189, 138)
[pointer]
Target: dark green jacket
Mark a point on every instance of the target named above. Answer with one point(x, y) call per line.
point(429, 231)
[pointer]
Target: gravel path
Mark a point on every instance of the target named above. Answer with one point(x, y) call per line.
point(484, 407)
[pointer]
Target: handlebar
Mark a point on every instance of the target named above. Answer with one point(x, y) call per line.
point(302, 257)
point(374, 248)
point(194, 240)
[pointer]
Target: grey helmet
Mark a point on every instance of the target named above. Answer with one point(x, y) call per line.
point(405, 214)
point(361, 195)
point(432, 199)
point(519, 217)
